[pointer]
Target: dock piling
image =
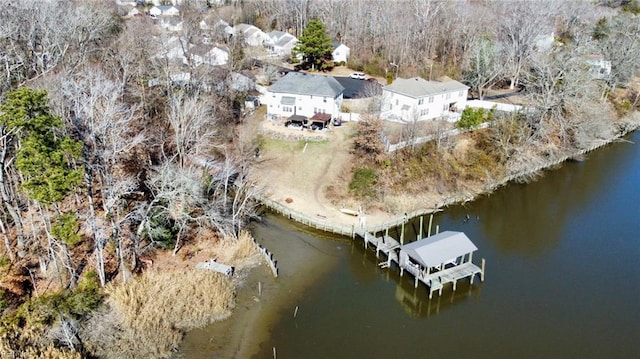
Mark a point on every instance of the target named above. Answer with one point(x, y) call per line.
point(482, 271)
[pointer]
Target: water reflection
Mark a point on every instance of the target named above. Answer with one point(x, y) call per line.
point(415, 302)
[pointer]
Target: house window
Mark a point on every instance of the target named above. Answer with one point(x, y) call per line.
point(324, 99)
point(396, 102)
point(424, 112)
point(431, 99)
point(315, 110)
point(461, 93)
point(311, 97)
point(448, 96)
point(420, 101)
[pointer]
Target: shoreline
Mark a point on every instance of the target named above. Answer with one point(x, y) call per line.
point(247, 328)
point(383, 220)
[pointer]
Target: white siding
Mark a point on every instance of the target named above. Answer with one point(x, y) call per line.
point(305, 105)
point(431, 107)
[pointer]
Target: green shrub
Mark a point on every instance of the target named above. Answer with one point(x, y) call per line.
point(472, 118)
point(363, 182)
point(67, 229)
point(46, 309)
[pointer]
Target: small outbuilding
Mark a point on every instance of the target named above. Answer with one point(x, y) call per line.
point(440, 259)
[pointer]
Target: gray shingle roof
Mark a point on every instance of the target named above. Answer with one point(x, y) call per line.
point(418, 87)
point(276, 35)
point(438, 249)
point(308, 84)
point(285, 39)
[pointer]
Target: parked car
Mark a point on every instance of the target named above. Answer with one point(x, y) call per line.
point(357, 75)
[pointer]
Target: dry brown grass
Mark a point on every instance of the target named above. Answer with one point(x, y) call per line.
point(148, 315)
point(31, 343)
point(242, 248)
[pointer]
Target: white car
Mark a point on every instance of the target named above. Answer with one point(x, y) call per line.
point(357, 76)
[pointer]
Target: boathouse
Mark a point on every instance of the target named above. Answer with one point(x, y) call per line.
point(440, 259)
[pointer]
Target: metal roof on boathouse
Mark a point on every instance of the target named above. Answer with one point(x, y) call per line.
point(440, 248)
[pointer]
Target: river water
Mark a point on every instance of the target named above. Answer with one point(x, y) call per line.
point(562, 278)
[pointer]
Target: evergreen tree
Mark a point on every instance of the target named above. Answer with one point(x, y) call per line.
point(315, 45)
point(46, 157)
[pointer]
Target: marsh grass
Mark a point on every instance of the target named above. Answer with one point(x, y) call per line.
point(242, 248)
point(147, 316)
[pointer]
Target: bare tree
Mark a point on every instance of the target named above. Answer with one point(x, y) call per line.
point(522, 28)
point(483, 68)
point(105, 124)
point(192, 121)
point(557, 83)
point(35, 41)
point(620, 44)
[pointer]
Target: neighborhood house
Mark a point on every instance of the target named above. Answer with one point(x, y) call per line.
point(304, 99)
point(164, 10)
point(280, 43)
point(252, 35)
point(340, 52)
point(417, 99)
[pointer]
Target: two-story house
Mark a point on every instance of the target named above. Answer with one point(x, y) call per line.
point(417, 99)
point(303, 95)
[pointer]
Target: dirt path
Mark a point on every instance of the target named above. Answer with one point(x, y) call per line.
point(298, 172)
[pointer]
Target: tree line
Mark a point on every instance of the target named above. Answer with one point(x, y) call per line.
point(101, 168)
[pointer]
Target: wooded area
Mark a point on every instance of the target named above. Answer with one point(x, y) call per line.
point(101, 169)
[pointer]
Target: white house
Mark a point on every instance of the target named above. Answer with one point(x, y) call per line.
point(203, 54)
point(340, 52)
point(303, 94)
point(252, 35)
point(164, 10)
point(417, 99)
point(280, 43)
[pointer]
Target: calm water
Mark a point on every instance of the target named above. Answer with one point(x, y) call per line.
point(562, 279)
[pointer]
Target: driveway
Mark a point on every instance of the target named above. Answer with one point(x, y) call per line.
point(351, 86)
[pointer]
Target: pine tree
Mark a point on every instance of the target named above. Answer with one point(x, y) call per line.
point(45, 158)
point(315, 45)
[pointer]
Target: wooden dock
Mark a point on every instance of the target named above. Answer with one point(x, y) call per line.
point(436, 281)
point(385, 244)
